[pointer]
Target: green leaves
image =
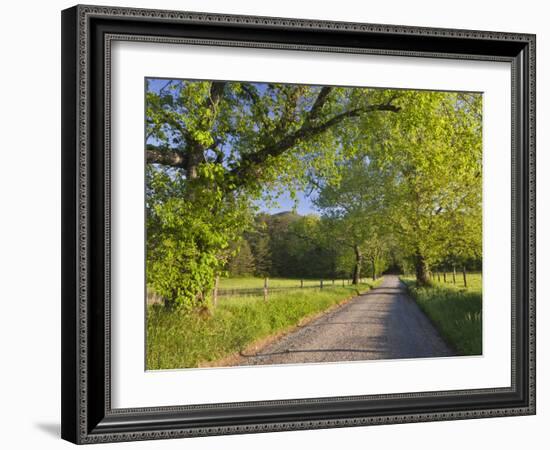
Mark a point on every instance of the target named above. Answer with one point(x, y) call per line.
point(410, 183)
point(189, 228)
point(410, 177)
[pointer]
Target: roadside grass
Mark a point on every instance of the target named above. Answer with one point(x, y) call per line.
point(454, 310)
point(176, 339)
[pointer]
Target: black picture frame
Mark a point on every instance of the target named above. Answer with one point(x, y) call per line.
point(87, 416)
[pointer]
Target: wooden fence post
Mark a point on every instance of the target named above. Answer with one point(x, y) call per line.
point(464, 275)
point(321, 284)
point(265, 289)
point(215, 294)
point(301, 283)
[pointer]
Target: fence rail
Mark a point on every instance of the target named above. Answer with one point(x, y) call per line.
point(259, 291)
point(219, 293)
point(265, 290)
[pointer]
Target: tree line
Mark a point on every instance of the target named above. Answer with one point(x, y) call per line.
point(289, 245)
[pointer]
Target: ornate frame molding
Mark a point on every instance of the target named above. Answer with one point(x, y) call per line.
point(85, 421)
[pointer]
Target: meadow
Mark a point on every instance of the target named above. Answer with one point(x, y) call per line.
point(257, 282)
point(455, 310)
point(176, 339)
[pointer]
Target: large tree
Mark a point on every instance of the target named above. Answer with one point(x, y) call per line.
point(413, 180)
point(431, 156)
point(353, 208)
point(247, 128)
point(213, 148)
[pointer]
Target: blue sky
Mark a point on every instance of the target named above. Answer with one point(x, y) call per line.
point(304, 205)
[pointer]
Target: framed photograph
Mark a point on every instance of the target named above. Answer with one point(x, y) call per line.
point(279, 224)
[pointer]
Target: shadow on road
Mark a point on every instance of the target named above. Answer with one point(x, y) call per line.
point(321, 350)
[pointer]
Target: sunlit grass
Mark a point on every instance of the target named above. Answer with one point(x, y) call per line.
point(454, 309)
point(257, 282)
point(176, 339)
point(473, 281)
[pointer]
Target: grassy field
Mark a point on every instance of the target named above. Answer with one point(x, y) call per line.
point(454, 309)
point(179, 340)
point(254, 282)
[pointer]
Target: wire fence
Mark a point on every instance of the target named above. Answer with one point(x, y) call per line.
point(267, 289)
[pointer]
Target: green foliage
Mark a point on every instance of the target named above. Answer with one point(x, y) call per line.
point(290, 245)
point(242, 263)
point(394, 186)
point(262, 254)
point(429, 161)
point(354, 215)
point(189, 229)
point(213, 148)
point(411, 185)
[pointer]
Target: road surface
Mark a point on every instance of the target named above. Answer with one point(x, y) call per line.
point(384, 323)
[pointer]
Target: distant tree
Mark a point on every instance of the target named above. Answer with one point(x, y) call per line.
point(242, 263)
point(262, 256)
point(375, 251)
point(281, 242)
point(290, 245)
point(310, 254)
point(353, 211)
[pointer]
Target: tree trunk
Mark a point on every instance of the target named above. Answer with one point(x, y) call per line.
point(195, 156)
point(373, 269)
point(421, 270)
point(357, 268)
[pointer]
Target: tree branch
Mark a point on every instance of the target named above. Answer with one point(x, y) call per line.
point(319, 103)
point(306, 132)
point(185, 159)
point(216, 91)
point(166, 156)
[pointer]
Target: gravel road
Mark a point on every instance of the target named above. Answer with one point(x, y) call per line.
point(384, 323)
